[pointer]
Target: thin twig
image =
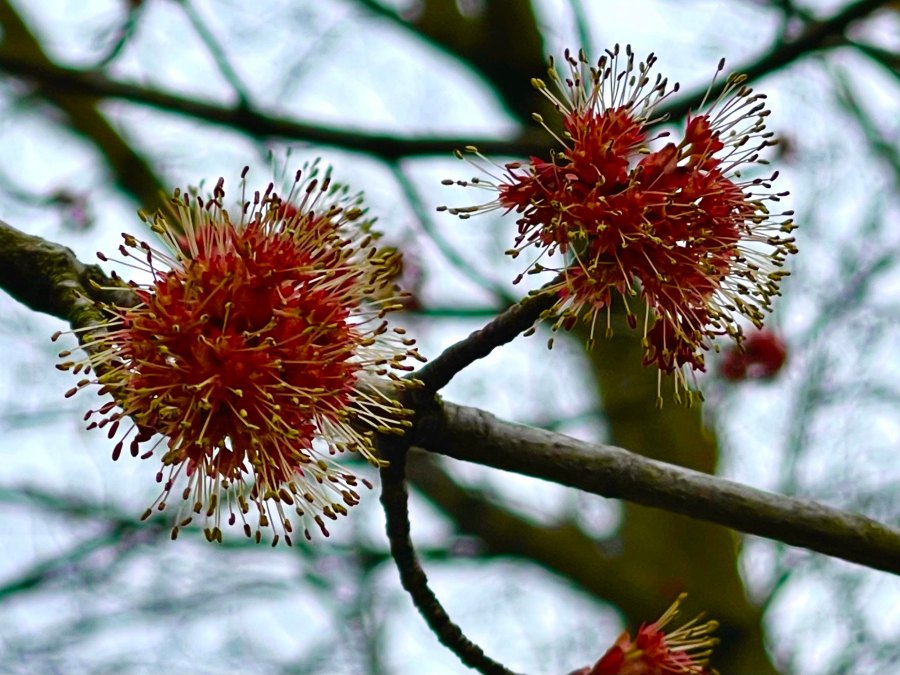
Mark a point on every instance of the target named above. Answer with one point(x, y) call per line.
point(395, 500)
point(217, 53)
point(445, 247)
point(438, 372)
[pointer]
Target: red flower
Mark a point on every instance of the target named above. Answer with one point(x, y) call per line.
point(760, 357)
point(252, 354)
point(676, 227)
point(683, 651)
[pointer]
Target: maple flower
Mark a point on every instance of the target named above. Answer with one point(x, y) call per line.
point(761, 356)
point(677, 226)
point(252, 355)
point(682, 651)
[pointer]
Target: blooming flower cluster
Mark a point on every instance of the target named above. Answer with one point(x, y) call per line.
point(252, 355)
point(678, 226)
point(683, 651)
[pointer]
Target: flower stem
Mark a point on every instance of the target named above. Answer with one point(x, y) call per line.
point(504, 328)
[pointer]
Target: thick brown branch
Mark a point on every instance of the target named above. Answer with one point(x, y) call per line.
point(48, 278)
point(474, 435)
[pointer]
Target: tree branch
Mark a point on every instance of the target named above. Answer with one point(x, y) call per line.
point(395, 500)
point(504, 328)
point(474, 435)
point(48, 278)
point(817, 35)
point(254, 123)
point(131, 171)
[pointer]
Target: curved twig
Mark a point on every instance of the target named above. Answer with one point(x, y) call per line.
point(438, 372)
point(395, 500)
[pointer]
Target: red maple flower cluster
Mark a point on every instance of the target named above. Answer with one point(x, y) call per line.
point(252, 354)
point(683, 651)
point(676, 226)
point(761, 357)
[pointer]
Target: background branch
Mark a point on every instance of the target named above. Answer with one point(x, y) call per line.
point(130, 170)
point(60, 80)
